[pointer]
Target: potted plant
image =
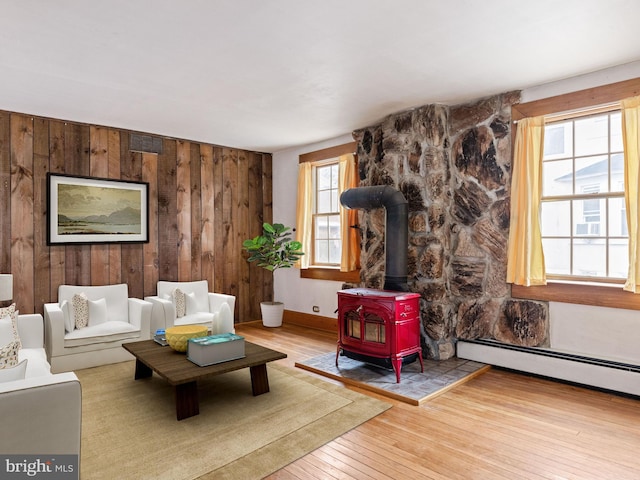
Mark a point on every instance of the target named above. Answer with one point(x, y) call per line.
point(272, 250)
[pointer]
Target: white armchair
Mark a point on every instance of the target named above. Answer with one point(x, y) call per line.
point(41, 412)
point(113, 319)
point(201, 307)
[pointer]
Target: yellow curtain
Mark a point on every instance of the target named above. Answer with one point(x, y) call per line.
point(525, 258)
point(303, 213)
point(348, 178)
point(631, 144)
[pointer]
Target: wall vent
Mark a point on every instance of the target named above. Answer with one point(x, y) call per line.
point(145, 143)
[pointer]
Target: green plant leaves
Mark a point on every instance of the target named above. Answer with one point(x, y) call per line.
point(274, 248)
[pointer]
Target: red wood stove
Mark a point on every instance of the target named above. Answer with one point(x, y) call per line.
point(380, 327)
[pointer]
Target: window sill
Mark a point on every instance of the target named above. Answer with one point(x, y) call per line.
point(584, 294)
point(330, 274)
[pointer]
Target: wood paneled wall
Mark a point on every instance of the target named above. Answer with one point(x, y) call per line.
point(204, 200)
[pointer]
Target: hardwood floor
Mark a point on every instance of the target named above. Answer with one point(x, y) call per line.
point(500, 425)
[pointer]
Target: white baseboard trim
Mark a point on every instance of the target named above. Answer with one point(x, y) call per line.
point(597, 373)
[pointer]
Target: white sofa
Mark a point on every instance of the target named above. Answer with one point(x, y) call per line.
point(203, 307)
point(69, 348)
point(41, 414)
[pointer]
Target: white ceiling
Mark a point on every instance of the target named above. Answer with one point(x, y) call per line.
point(270, 74)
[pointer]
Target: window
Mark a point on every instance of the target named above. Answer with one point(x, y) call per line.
point(327, 246)
point(583, 221)
point(588, 293)
point(331, 246)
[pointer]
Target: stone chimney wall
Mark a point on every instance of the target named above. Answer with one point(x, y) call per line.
point(453, 165)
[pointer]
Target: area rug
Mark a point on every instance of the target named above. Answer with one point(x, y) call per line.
point(415, 387)
point(129, 427)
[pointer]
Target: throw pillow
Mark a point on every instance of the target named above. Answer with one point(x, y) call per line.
point(69, 319)
point(6, 331)
point(14, 324)
point(10, 319)
point(80, 310)
point(4, 311)
point(9, 355)
point(191, 303)
point(97, 311)
point(14, 373)
point(180, 303)
point(225, 319)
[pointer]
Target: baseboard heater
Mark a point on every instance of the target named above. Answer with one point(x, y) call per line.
point(595, 372)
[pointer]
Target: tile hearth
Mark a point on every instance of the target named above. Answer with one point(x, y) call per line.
point(414, 388)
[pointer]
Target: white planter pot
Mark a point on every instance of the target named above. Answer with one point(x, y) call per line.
point(272, 313)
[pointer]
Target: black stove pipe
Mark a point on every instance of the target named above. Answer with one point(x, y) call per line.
point(396, 234)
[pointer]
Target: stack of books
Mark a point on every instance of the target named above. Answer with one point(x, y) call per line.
point(160, 337)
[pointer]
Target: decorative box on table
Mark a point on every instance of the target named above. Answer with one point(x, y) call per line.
point(213, 349)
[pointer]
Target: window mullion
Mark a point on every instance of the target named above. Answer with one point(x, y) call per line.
point(571, 238)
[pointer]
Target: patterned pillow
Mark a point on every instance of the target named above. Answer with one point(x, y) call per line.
point(80, 309)
point(9, 355)
point(4, 311)
point(180, 302)
point(10, 314)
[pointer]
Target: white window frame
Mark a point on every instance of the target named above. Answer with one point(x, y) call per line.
point(595, 231)
point(316, 215)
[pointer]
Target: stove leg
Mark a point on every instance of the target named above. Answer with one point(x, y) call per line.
point(421, 364)
point(337, 355)
point(397, 366)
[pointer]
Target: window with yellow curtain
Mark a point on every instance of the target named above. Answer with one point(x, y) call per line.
point(580, 202)
point(583, 212)
point(325, 228)
point(588, 200)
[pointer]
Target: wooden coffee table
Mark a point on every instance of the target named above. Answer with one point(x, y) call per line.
point(184, 375)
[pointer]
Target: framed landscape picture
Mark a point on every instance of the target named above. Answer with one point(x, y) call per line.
point(96, 210)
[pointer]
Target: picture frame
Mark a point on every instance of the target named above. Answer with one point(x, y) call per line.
point(89, 210)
